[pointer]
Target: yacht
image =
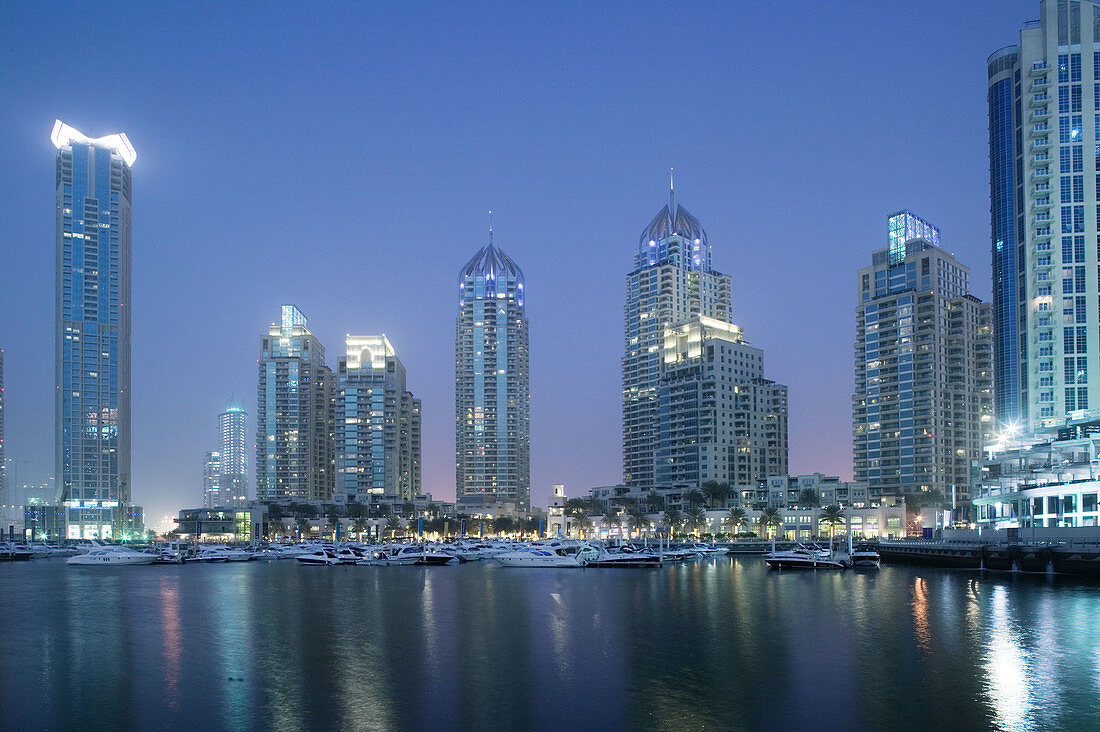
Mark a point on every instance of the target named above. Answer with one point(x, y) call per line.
point(626, 556)
point(109, 554)
point(320, 556)
point(863, 554)
point(807, 557)
point(12, 552)
point(550, 554)
point(408, 554)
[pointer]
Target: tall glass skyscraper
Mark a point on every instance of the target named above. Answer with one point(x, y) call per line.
point(212, 480)
point(377, 425)
point(922, 408)
point(672, 280)
point(1044, 95)
point(492, 386)
point(233, 484)
point(294, 414)
point(92, 407)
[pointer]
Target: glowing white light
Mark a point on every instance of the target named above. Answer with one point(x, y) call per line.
point(63, 134)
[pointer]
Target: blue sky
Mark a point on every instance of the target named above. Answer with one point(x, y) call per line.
point(343, 157)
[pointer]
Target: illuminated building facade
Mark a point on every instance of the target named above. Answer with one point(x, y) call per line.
point(672, 281)
point(92, 339)
point(1044, 99)
point(212, 479)
point(294, 414)
point(377, 425)
point(923, 404)
point(492, 387)
point(232, 430)
point(719, 419)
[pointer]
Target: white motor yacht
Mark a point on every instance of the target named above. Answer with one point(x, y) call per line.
point(110, 555)
point(550, 554)
point(320, 556)
point(807, 557)
point(626, 556)
point(408, 554)
point(863, 554)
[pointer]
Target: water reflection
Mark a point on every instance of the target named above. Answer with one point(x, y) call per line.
point(722, 643)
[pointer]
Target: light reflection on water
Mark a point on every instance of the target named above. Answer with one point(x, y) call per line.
point(720, 643)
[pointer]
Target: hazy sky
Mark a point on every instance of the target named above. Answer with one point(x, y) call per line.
point(342, 157)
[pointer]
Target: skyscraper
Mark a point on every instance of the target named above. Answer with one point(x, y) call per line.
point(672, 281)
point(923, 403)
point(234, 457)
point(1044, 95)
point(294, 414)
point(212, 480)
point(719, 419)
point(377, 425)
point(492, 387)
point(92, 407)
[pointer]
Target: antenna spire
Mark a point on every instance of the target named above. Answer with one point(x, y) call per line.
point(490, 226)
point(671, 193)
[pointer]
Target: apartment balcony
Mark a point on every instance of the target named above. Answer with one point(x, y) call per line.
point(1040, 130)
point(1040, 174)
point(1038, 69)
point(1041, 143)
point(1039, 100)
point(1041, 158)
point(1040, 84)
point(1042, 233)
point(1042, 204)
point(1040, 114)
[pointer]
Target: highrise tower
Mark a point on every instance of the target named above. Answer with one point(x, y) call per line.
point(492, 388)
point(92, 339)
point(672, 281)
point(294, 414)
point(233, 485)
point(1044, 95)
point(923, 403)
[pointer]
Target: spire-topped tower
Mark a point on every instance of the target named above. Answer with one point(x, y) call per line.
point(672, 281)
point(492, 391)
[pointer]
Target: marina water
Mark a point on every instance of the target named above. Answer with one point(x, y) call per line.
point(720, 643)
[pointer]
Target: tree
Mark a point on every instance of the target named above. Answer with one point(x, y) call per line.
point(432, 510)
point(358, 527)
point(695, 518)
point(736, 519)
point(575, 506)
point(716, 492)
point(672, 517)
point(770, 518)
point(303, 526)
point(393, 525)
point(582, 524)
point(694, 497)
point(611, 518)
point(808, 498)
point(333, 520)
point(637, 521)
point(503, 524)
point(408, 509)
point(831, 516)
point(357, 510)
point(656, 502)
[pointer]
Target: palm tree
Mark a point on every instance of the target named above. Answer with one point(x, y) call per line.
point(575, 506)
point(832, 515)
point(808, 498)
point(611, 518)
point(694, 497)
point(736, 519)
point(672, 517)
point(333, 520)
point(393, 525)
point(769, 518)
point(695, 518)
point(637, 521)
point(716, 492)
point(303, 527)
point(358, 527)
point(503, 524)
point(582, 524)
point(656, 502)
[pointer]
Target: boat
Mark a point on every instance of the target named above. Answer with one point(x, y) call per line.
point(863, 554)
point(319, 557)
point(210, 554)
point(807, 557)
point(103, 555)
point(408, 554)
point(550, 554)
point(14, 552)
point(626, 556)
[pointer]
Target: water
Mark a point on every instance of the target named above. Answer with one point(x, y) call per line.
point(721, 643)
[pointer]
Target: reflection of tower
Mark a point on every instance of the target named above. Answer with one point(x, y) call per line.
point(234, 457)
point(92, 339)
point(492, 390)
point(672, 281)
